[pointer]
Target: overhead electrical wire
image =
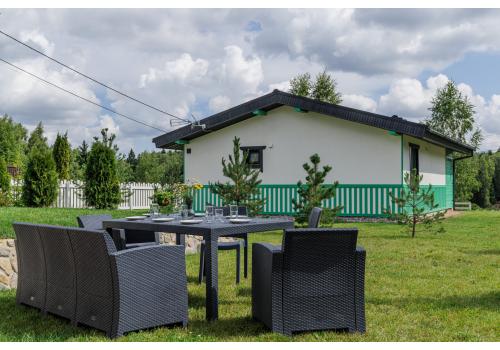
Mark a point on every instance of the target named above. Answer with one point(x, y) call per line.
point(93, 79)
point(80, 97)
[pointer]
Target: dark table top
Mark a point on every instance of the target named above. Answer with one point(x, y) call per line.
point(204, 228)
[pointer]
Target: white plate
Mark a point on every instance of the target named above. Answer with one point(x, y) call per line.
point(239, 217)
point(135, 218)
point(239, 221)
point(191, 222)
point(163, 219)
point(199, 215)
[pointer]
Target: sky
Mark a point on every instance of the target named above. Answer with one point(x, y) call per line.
point(201, 61)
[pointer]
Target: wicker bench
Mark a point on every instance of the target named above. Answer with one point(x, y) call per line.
point(78, 274)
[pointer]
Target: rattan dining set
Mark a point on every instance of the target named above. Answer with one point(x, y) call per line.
point(114, 276)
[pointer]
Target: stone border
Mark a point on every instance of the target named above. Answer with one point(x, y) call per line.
point(8, 264)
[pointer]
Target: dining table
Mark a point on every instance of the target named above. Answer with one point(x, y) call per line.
point(210, 231)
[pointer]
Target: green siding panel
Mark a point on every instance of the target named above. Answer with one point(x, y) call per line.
point(357, 200)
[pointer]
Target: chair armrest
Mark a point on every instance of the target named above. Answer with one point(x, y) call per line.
point(267, 261)
point(118, 236)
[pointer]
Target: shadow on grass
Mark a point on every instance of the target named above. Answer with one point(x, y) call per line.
point(22, 323)
point(485, 252)
point(487, 301)
point(225, 328)
point(244, 292)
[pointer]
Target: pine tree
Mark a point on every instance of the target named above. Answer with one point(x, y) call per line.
point(40, 179)
point(37, 139)
point(83, 153)
point(313, 192)
point(102, 188)
point(242, 189)
point(132, 159)
point(61, 152)
point(417, 204)
point(325, 89)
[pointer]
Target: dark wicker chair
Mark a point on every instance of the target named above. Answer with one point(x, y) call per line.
point(235, 245)
point(316, 282)
point(61, 276)
point(122, 291)
point(31, 280)
point(124, 239)
point(314, 217)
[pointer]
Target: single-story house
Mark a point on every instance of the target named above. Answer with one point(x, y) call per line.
point(369, 152)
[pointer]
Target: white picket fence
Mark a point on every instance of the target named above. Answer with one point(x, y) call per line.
point(135, 195)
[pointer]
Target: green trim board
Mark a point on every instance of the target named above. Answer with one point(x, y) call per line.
point(259, 112)
point(368, 200)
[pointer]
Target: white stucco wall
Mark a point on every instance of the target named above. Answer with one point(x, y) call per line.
point(431, 161)
point(359, 154)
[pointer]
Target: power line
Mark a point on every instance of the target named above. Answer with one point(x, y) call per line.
point(80, 97)
point(92, 79)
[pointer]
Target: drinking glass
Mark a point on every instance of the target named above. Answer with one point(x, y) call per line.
point(185, 212)
point(209, 213)
point(233, 211)
point(219, 213)
point(154, 210)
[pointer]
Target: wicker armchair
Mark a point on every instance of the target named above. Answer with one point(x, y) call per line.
point(31, 280)
point(122, 291)
point(124, 239)
point(316, 282)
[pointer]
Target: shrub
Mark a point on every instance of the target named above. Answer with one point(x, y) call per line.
point(4, 184)
point(62, 156)
point(40, 179)
point(102, 188)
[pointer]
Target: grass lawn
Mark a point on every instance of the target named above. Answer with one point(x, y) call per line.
point(435, 287)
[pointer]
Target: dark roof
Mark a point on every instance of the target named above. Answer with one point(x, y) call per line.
point(278, 98)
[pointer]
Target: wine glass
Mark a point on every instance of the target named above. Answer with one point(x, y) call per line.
point(209, 213)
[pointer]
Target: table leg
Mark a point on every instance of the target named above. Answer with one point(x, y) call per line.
point(211, 271)
point(180, 239)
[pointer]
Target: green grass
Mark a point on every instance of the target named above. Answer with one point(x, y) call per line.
point(435, 287)
point(52, 216)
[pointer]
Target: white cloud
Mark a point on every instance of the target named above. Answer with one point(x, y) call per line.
point(219, 103)
point(202, 61)
point(37, 38)
point(183, 70)
point(359, 102)
point(244, 73)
